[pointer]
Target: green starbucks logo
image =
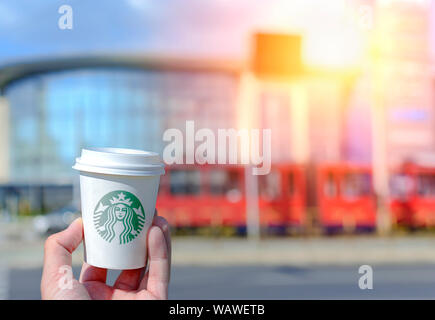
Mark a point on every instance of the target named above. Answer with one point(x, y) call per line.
point(119, 214)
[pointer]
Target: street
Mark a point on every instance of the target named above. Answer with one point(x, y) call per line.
point(267, 282)
point(278, 268)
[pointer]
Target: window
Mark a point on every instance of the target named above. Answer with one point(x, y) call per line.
point(225, 183)
point(185, 182)
point(355, 185)
point(330, 188)
point(426, 185)
point(401, 185)
point(270, 185)
point(291, 184)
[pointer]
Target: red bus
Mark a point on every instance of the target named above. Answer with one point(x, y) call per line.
point(345, 196)
point(214, 195)
point(412, 196)
point(282, 196)
point(196, 196)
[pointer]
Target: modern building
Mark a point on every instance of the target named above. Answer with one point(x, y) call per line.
point(51, 109)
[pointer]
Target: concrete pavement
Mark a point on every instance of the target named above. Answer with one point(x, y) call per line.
point(20, 247)
point(283, 251)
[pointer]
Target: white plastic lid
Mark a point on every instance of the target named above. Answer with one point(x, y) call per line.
point(118, 161)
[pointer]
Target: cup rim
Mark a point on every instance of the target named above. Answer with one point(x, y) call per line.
point(127, 151)
point(119, 161)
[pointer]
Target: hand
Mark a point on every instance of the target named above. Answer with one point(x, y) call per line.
point(131, 284)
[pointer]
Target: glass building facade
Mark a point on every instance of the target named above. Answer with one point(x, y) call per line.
point(54, 115)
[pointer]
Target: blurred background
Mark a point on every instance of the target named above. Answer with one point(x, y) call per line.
point(346, 86)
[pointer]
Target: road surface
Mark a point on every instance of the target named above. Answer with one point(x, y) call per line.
point(276, 268)
point(265, 282)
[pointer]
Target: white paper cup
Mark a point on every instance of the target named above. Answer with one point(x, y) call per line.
point(118, 190)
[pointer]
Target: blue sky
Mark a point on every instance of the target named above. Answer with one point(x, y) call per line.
point(29, 28)
point(210, 28)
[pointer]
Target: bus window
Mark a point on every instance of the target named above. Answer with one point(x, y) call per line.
point(163, 185)
point(269, 185)
point(401, 186)
point(218, 182)
point(225, 182)
point(291, 184)
point(185, 182)
point(355, 185)
point(330, 189)
point(426, 185)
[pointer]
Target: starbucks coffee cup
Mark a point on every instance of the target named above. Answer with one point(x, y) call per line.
point(118, 189)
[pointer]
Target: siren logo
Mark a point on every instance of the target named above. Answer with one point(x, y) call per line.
point(119, 214)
